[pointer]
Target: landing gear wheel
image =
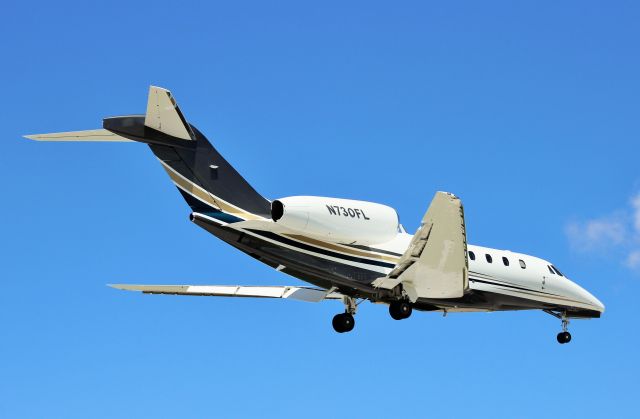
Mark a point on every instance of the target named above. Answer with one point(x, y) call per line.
point(400, 310)
point(343, 322)
point(564, 337)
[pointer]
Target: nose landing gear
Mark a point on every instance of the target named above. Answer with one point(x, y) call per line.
point(564, 336)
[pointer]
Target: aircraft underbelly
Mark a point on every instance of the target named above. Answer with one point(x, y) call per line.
point(352, 280)
point(306, 267)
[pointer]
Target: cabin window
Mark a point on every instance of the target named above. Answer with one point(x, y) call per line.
point(557, 270)
point(505, 261)
point(551, 269)
point(522, 264)
point(488, 256)
point(472, 256)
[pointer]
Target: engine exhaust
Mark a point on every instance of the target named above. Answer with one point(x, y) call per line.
point(277, 210)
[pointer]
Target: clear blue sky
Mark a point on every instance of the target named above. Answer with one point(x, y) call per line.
point(527, 111)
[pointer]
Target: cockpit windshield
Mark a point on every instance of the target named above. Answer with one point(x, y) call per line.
point(557, 270)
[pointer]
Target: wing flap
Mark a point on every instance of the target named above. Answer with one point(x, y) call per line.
point(286, 292)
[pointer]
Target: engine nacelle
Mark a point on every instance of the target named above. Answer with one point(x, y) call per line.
point(337, 220)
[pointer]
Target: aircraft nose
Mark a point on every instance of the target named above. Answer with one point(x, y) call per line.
point(597, 304)
point(587, 297)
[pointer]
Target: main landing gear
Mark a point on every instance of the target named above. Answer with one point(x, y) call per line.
point(344, 322)
point(400, 310)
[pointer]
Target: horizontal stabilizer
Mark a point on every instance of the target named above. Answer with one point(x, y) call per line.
point(289, 292)
point(93, 135)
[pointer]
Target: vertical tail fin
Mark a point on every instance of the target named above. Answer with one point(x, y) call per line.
point(164, 115)
point(209, 184)
point(205, 179)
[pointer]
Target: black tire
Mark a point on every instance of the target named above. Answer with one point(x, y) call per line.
point(348, 321)
point(563, 337)
point(337, 323)
point(405, 309)
point(567, 337)
point(400, 310)
point(343, 322)
point(393, 311)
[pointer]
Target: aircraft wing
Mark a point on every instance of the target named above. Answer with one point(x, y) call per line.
point(435, 263)
point(308, 294)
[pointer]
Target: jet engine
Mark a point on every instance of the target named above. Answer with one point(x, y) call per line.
point(336, 220)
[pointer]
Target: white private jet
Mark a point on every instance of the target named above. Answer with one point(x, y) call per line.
point(349, 250)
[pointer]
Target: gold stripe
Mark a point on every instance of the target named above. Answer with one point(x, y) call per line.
point(218, 203)
point(540, 293)
point(206, 196)
point(347, 250)
point(546, 297)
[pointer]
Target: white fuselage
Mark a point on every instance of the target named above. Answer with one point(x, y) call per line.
point(349, 249)
point(516, 275)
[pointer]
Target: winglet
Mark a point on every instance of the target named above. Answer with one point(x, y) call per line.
point(435, 263)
